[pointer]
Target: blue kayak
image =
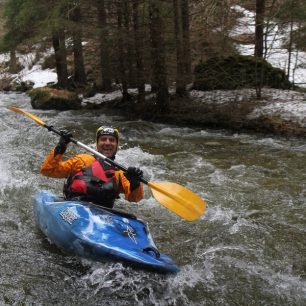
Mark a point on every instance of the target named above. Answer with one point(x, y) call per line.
point(92, 231)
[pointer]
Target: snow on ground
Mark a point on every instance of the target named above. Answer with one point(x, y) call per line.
point(288, 105)
point(38, 76)
point(117, 94)
point(33, 70)
point(276, 54)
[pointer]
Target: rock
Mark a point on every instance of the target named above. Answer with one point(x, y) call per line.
point(23, 86)
point(51, 98)
point(90, 91)
point(234, 72)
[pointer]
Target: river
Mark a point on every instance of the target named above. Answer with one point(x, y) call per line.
point(247, 249)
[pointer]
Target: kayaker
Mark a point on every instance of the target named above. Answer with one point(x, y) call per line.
point(92, 179)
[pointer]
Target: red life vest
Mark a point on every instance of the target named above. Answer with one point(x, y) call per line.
point(87, 184)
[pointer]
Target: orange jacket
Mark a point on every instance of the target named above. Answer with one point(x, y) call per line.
point(55, 166)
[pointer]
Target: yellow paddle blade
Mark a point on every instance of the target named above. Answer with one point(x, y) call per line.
point(20, 111)
point(178, 199)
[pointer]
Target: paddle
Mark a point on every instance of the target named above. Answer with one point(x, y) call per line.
point(175, 197)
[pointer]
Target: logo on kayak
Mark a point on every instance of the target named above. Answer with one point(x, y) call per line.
point(129, 231)
point(68, 215)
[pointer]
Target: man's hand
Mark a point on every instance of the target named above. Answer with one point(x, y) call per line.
point(134, 175)
point(63, 142)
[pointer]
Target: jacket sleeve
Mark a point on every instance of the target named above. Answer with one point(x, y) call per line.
point(55, 166)
point(124, 187)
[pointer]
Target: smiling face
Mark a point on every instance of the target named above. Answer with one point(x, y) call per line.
point(107, 145)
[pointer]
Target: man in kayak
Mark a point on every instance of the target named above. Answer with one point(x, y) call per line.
point(92, 179)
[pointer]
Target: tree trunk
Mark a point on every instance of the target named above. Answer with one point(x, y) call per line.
point(13, 67)
point(178, 33)
point(104, 48)
point(259, 28)
point(290, 43)
point(186, 41)
point(58, 40)
point(259, 43)
point(79, 70)
point(130, 52)
point(158, 54)
point(138, 43)
point(122, 51)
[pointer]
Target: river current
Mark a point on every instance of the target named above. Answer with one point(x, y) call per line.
point(247, 249)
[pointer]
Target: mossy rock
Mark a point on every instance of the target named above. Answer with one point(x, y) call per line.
point(51, 98)
point(236, 72)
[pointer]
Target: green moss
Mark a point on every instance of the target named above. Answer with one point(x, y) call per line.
point(236, 72)
point(51, 98)
point(39, 94)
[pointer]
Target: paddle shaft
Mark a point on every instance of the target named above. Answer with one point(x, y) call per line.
point(94, 152)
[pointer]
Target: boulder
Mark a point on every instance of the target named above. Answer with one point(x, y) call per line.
point(52, 98)
point(236, 72)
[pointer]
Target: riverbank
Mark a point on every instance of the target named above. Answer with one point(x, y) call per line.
point(278, 112)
